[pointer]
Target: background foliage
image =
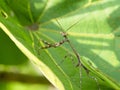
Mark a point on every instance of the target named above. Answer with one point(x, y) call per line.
point(95, 37)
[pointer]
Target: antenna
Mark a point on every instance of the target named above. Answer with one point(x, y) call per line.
point(59, 25)
point(78, 20)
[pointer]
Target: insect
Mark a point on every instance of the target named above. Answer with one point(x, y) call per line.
point(67, 40)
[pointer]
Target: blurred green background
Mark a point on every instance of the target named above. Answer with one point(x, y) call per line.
point(16, 72)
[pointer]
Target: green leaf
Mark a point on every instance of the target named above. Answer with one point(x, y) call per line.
point(9, 53)
point(94, 34)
